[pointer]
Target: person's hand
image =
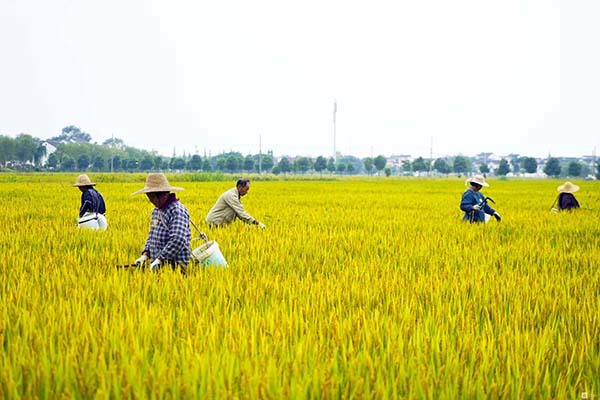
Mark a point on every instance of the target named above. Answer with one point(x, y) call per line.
point(477, 207)
point(261, 225)
point(141, 260)
point(497, 216)
point(155, 264)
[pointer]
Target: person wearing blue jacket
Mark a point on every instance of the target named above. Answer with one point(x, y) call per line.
point(93, 208)
point(473, 202)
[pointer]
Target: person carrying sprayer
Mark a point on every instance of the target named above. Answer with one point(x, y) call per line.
point(566, 200)
point(474, 204)
point(229, 207)
point(93, 207)
point(168, 241)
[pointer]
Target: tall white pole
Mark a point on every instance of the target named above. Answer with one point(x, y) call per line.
point(334, 133)
point(259, 154)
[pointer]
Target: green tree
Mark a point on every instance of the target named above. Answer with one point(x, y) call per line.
point(52, 161)
point(441, 166)
point(7, 149)
point(158, 162)
point(72, 134)
point(40, 152)
point(503, 168)
point(83, 162)
point(304, 164)
point(341, 168)
point(284, 165)
point(147, 163)
point(369, 164)
point(206, 166)
point(574, 169)
point(552, 167)
point(419, 165)
point(320, 164)
point(266, 162)
point(331, 165)
point(98, 164)
point(67, 163)
point(387, 171)
point(249, 163)
point(350, 168)
point(177, 163)
point(530, 165)
point(232, 163)
point(483, 168)
point(196, 163)
point(25, 147)
point(461, 165)
point(380, 162)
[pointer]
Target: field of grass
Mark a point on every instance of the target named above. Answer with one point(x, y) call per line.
point(358, 288)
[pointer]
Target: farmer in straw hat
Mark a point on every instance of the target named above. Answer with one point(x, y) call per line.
point(566, 200)
point(169, 238)
point(93, 208)
point(473, 203)
point(229, 207)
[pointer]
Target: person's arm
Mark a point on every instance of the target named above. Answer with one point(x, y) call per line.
point(467, 201)
point(86, 203)
point(233, 201)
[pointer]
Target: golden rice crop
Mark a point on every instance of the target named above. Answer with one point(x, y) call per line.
point(357, 288)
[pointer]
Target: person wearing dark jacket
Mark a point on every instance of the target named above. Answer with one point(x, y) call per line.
point(566, 200)
point(93, 208)
point(473, 202)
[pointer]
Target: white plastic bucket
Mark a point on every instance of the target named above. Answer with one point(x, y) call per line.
point(209, 255)
point(93, 221)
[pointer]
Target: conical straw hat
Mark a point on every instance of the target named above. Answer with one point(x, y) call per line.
point(478, 179)
point(568, 187)
point(157, 183)
point(84, 180)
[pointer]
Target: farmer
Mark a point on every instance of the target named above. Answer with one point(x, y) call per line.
point(229, 207)
point(93, 208)
point(169, 238)
point(566, 200)
point(473, 203)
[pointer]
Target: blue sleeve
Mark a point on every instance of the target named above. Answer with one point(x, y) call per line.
point(488, 210)
point(469, 199)
point(86, 203)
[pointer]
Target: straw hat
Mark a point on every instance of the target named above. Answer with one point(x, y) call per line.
point(157, 183)
point(478, 179)
point(568, 187)
point(84, 180)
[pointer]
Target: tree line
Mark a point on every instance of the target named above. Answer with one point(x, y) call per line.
point(74, 151)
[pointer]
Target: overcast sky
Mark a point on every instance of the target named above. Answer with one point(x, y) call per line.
point(466, 76)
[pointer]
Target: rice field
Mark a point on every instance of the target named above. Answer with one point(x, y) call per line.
point(358, 288)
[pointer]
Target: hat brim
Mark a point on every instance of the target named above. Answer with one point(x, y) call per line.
point(565, 189)
point(484, 184)
point(84, 184)
point(158, 189)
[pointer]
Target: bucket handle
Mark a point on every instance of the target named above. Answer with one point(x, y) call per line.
point(201, 234)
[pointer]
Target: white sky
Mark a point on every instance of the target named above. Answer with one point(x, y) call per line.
point(511, 76)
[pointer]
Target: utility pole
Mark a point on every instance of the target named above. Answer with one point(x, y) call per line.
point(112, 146)
point(334, 115)
point(431, 156)
point(259, 154)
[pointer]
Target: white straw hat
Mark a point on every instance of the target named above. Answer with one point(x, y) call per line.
point(84, 180)
point(568, 187)
point(157, 183)
point(478, 179)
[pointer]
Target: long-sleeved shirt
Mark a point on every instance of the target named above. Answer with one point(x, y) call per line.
point(227, 208)
point(170, 235)
point(567, 201)
point(472, 198)
point(92, 201)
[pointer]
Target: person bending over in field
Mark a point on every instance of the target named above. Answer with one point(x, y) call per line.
point(169, 238)
point(473, 203)
point(229, 207)
point(93, 208)
point(566, 200)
